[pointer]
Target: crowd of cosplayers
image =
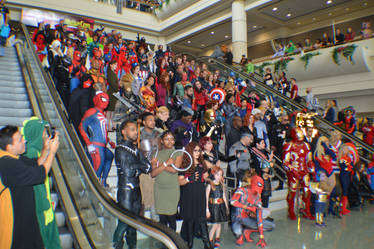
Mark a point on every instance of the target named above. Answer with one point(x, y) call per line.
point(180, 124)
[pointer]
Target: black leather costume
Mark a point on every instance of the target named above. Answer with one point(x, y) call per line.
point(130, 164)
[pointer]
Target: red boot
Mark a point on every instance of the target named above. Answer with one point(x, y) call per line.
point(240, 240)
point(291, 205)
point(344, 203)
point(306, 200)
point(247, 234)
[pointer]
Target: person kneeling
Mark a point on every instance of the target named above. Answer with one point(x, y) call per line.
point(248, 213)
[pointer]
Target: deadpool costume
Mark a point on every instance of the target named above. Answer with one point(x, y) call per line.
point(94, 131)
point(130, 164)
point(297, 160)
point(248, 212)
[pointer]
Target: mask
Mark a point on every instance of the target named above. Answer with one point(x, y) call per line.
point(257, 184)
point(101, 100)
point(209, 116)
point(297, 134)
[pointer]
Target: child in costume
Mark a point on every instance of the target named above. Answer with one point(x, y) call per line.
point(217, 205)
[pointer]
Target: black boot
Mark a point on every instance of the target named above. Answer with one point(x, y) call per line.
point(205, 234)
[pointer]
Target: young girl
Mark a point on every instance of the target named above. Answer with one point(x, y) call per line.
point(217, 205)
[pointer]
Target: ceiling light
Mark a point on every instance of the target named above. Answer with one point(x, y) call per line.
point(212, 33)
point(254, 26)
point(330, 14)
point(314, 18)
point(328, 2)
point(289, 15)
point(202, 45)
point(226, 36)
point(298, 23)
point(365, 4)
point(188, 42)
point(275, 9)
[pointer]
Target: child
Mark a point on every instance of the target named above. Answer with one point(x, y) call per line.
point(217, 204)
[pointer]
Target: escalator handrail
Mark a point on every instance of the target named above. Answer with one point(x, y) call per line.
point(148, 227)
point(297, 106)
point(38, 111)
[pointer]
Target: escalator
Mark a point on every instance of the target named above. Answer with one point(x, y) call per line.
point(289, 106)
point(91, 214)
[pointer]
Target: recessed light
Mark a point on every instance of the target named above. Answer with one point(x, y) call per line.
point(254, 26)
point(202, 45)
point(346, 9)
point(289, 15)
point(365, 4)
point(188, 41)
point(212, 33)
point(275, 9)
point(328, 2)
point(226, 36)
point(330, 14)
point(298, 23)
point(314, 18)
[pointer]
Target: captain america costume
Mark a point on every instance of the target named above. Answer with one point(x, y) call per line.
point(94, 131)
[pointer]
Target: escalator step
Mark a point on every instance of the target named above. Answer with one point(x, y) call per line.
point(17, 105)
point(13, 90)
point(14, 97)
point(10, 113)
point(66, 238)
point(7, 83)
point(16, 121)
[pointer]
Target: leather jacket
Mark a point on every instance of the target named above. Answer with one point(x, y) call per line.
point(130, 164)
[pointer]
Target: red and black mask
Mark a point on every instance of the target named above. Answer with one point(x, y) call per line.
point(76, 57)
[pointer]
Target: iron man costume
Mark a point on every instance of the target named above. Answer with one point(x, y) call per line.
point(297, 160)
point(247, 201)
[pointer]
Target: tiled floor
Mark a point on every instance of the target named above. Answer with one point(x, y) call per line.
point(354, 231)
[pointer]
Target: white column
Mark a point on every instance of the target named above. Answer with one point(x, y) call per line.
point(239, 30)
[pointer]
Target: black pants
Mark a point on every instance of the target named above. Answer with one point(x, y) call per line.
point(265, 200)
point(188, 230)
point(169, 220)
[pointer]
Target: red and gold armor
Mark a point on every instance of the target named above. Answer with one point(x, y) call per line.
point(297, 160)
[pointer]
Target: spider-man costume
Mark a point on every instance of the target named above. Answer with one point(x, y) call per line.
point(94, 131)
point(40, 46)
point(297, 160)
point(247, 201)
point(76, 70)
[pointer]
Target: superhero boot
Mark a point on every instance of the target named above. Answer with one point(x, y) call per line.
point(247, 234)
point(344, 204)
point(240, 240)
point(306, 199)
point(291, 204)
point(320, 205)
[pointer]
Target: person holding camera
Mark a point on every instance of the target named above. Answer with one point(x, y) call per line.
point(243, 156)
point(18, 174)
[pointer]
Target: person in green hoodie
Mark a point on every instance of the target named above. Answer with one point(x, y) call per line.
point(290, 47)
point(35, 134)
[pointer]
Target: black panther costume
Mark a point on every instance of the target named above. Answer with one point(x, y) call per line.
point(130, 164)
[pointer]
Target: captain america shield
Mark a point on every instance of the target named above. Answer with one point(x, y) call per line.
point(218, 94)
